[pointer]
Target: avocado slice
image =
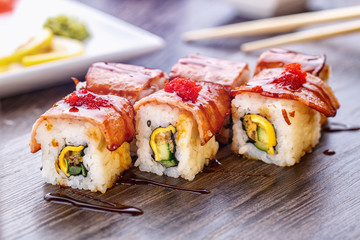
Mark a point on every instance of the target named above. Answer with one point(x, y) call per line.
point(74, 170)
point(169, 163)
point(83, 170)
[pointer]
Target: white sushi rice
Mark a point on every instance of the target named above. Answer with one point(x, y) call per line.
point(191, 155)
point(80, 85)
point(103, 166)
point(293, 141)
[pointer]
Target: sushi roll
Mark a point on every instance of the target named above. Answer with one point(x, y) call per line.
point(230, 74)
point(84, 140)
point(277, 58)
point(129, 81)
point(175, 127)
point(276, 114)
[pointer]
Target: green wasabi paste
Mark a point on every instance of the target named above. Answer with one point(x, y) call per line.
point(66, 26)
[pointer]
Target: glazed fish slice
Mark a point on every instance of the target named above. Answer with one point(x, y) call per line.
point(124, 80)
point(278, 58)
point(230, 74)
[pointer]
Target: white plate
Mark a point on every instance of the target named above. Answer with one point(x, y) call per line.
point(111, 40)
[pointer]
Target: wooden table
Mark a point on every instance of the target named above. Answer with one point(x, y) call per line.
point(316, 199)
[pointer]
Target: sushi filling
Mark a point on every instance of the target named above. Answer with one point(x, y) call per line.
point(70, 161)
point(162, 143)
point(260, 132)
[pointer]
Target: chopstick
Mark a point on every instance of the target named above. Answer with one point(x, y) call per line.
point(307, 35)
point(273, 25)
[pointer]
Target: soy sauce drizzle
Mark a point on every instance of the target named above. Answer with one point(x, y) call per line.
point(211, 168)
point(131, 178)
point(329, 152)
point(340, 127)
point(64, 199)
point(92, 197)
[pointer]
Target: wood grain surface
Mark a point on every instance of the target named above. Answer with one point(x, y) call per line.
point(316, 199)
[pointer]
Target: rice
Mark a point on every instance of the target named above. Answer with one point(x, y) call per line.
point(293, 141)
point(81, 85)
point(190, 154)
point(103, 166)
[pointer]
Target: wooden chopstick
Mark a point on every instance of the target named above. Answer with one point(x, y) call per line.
point(273, 25)
point(307, 35)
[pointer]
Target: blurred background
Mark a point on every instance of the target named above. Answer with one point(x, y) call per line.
point(316, 199)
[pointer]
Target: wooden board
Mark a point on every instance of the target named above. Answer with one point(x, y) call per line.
point(316, 199)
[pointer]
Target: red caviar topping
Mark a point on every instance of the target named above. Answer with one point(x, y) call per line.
point(258, 89)
point(87, 99)
point(292, 77)
point(184, 88)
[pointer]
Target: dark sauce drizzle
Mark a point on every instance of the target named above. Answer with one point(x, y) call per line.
point(126, 178)
point(131, 178)
point(329, 152)
point(340, 127)
point(92, 197)
point(113, 208)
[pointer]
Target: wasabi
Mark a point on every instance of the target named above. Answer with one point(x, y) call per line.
point(67, 26)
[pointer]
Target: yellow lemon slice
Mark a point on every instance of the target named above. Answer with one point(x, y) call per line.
point(61, 48)
point(39, 43)
point(4, 68)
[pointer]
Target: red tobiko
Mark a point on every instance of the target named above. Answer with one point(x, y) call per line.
point(184, 88)
point(292, 77)
point(87, 99)
point(258, 89)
